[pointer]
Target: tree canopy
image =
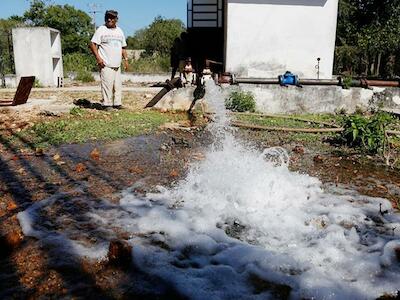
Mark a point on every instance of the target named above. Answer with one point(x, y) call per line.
point(158, 37)
point(368, 40)
point(74, 24)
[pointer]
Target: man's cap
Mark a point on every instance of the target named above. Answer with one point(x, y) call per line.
point(111, 13)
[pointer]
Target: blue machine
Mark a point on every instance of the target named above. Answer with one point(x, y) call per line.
point(288, 79)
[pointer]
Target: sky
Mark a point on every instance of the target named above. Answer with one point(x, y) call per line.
point(133, 14)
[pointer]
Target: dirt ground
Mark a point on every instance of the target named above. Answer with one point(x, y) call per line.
point(105, 169)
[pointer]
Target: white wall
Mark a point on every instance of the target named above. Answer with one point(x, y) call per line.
point(37, 52)
point(265, 38)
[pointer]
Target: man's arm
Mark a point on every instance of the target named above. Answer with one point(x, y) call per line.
point(125, 58)
point(95, 51)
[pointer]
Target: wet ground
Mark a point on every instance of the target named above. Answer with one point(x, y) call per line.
point(96, 171)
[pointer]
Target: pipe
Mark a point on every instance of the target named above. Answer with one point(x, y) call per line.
point(319, 82)
point(384, 83)
point(327, 82)
point(170, 85)
point(276, 81)
point(255, 80)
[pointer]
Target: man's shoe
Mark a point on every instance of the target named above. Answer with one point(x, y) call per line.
point(118, 107)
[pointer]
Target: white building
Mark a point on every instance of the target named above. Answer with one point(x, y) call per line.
point(265, 38)
point(37, 52)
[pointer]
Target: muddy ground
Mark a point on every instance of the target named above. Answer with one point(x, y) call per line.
point(105, 169)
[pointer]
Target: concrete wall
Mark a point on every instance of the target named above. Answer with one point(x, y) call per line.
point(265, 38)
point(37, 51)
point(275, 99)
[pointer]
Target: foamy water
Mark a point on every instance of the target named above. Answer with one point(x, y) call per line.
point(240, 214)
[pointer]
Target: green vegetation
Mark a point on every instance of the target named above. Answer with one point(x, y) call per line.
point(240, 101)
point(81, 126)
point(367, 133)
point(77, 111)
point(84, 76)
point(149, 64)
point(295, 121)
point(75, 25)
point(157, 40)
point(346, 82)
point(37, 83)
point(367, 40)
point(79, 62)
point(158, 37)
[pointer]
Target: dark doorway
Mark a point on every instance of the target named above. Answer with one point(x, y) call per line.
point(206, 29)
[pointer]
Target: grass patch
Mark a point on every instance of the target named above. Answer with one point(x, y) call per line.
point(290, 123)
point(80, 127)
point(293, 137)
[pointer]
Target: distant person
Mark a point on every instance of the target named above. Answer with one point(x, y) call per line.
point(188, 76)
point(175, 56)
point(108, 46)
point(183, 51)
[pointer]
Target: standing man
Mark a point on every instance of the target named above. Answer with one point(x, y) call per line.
point(108, 46)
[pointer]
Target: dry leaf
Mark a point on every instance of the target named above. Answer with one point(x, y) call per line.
point(11, 206)
point(95, 154)
point(174, 173)
point(80, 168)
point(56, 157)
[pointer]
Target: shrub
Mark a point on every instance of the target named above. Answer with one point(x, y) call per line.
point(84, 76)
point(150, 64)
point(367, 132)
point(75, 62)
point(37, 84)
point(241, 102)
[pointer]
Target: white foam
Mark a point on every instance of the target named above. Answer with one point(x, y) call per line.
point(241, 213)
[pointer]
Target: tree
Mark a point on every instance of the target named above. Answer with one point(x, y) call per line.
point(160, 35)
point(137, 40)
point(74, 24)
point(367, 35)
point(6, 49)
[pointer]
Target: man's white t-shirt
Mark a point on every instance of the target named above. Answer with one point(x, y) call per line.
point(110, 42)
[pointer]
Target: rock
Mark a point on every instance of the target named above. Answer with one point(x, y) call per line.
point(148, 96)
point(397, 252)
point(180, 142)
point(48, 113)
point(278, 291)
point(298, 149)
point(318, 158)
point(389, 296)
point(120, 253)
